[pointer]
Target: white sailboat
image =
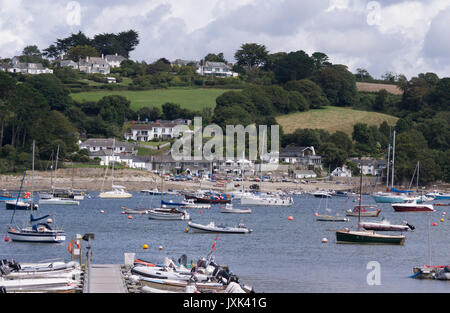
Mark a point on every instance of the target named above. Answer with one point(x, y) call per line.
point(35, 232)
point(117, 192)
point(50, 198)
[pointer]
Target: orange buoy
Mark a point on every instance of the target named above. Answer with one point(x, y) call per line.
point(316, 214)
point(290, 218)
point(442, 219)
point(6, 238)
point(123, 212)
point(434, 224)
point(130, 217)
point(145, 246)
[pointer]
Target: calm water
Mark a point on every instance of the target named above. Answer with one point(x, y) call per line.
point(279, 256)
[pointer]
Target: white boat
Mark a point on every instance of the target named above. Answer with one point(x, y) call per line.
point(212, 228)
point(385, 226)
point(191, 204)
point(167, 273)
point(321, 194)
point(41, 232)
point(171, 285)
point(59, 201)
point(39, 284)
point(168, 214)
point(134, 211)
point(330, 218)
point(117, 192)
point(269, 200)
point(228, 208)
point(411, 205)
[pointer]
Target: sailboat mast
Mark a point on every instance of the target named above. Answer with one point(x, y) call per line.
point(387, 170)
point(56, 167)
point(113, 161)
point(32, 174)
point(393, 162)
point(360, 197)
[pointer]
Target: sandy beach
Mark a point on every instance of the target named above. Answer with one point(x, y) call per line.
point(94, 179)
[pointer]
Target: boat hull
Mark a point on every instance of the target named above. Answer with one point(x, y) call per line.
point(363, 214)
point(152, 214)
point(11, 205)
point(329, 218)
point(388, 199)
point(266, 201)
point(59, 201)
point(206, 229)
point(207, 200)
point(41, 237)
point(383, 227)
point(415, 208)
point(367, 237)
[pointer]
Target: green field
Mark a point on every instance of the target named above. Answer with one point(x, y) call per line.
point(189, 98)
point(332, 119)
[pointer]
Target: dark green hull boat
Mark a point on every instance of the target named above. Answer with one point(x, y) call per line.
point(368, 237)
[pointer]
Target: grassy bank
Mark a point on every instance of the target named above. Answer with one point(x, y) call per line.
point(332, 119)
point(189, 98)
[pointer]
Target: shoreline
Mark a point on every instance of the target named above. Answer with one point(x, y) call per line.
point(136, 180)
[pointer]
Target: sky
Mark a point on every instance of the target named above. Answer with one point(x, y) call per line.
point(403, 37)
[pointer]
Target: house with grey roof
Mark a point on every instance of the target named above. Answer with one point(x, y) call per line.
point(95, 145)
point(370, 166)
point(68, 63)
point(114, 60)
point(305, 156)
point(219, 69)
point(26, 68)
point(92, 65)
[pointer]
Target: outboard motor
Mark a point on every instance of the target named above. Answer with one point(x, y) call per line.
point(183, 260)
point(410, 226)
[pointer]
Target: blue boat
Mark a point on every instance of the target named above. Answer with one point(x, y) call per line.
point(388, 198)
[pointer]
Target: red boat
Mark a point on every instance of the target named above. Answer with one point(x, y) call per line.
point(412, 206)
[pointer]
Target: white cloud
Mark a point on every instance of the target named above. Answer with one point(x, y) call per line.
point(403, 36)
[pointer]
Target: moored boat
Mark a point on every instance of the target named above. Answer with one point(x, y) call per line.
point(412, 206)
point(368, 237)
point(385, 226)
point(228, 208)
point(330, 218)
point(213, 228)
point(168, 214)
point(363, 211)
point(21, 205)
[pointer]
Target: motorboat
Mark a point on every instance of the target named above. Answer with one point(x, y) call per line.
point(168, 214)
point(186, 204)
point(321, 194)
point(385, 226)
point(266, 199)
point(21, 205)
point(213, 228)
point(117, 192)
point(388, 197)
point(412, 206)
point(228, 208)
point(167, 273)
point(438, 195)
point(59, 201)
point(179, 285)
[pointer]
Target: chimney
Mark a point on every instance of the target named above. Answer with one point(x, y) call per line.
point(103, 56)
point(116, 53)
point(87, 58)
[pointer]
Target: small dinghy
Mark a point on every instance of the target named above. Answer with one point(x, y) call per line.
point(228, 208)
point(444, 274)
point(168, 214)
point(126, 210)
point(179, 286)
point(386, 226)
point(21, 205)
point(213, 228)
point(330, 218)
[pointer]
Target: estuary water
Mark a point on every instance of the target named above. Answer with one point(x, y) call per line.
point(280, 255)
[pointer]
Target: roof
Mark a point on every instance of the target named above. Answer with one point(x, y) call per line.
point(112, 57)
point(151, 125)
point(100, 142)
point(293, 151)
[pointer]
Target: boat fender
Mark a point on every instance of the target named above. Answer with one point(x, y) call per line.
point(72, 243)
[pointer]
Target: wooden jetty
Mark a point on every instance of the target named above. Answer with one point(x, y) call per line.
point(104, 278)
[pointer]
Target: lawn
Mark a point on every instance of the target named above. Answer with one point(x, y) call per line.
point(332, 119)
point(189, 98)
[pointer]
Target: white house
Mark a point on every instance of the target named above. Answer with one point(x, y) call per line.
point(99, 144)
point(342, 172)
point(147, 132)
point(93, 65)
point(114, 60)
point(304, 174)
point(26, 68)
point(215, 69)
point(370, 166)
